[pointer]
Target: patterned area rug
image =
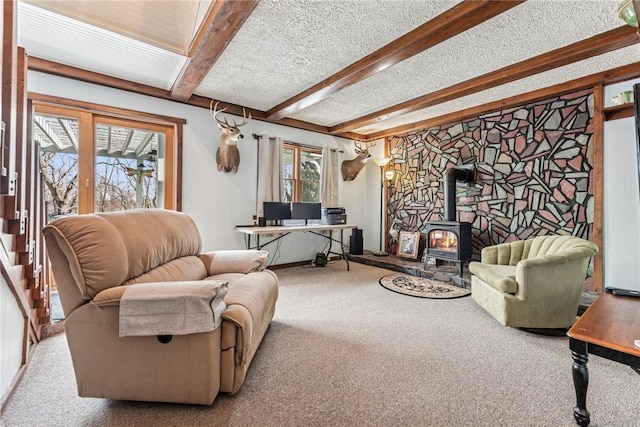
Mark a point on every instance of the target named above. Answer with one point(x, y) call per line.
point(421, 287)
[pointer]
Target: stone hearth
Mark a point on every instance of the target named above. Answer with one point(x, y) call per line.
point(447, 272)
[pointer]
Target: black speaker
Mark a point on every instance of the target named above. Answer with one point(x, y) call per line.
point(355, 242)
point(262, 221)
point(321, 259)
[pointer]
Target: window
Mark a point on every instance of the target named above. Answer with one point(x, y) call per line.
point(301, 174)
point(93, 162)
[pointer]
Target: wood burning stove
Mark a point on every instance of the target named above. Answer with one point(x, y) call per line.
point(450, 240)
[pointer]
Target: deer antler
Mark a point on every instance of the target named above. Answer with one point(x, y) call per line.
point(214, 112)
point(360, 148)
point(245, 119)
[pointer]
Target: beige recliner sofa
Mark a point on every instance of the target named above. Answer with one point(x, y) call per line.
point(535, 283)
point(97, 258)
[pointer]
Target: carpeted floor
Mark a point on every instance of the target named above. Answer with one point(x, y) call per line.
point(344, 351)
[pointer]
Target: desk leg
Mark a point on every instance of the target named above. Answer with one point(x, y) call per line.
point(580, 355)
point(344, 255)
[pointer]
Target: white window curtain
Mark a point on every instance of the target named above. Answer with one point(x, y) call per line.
point(269, 171)
point(329, 183)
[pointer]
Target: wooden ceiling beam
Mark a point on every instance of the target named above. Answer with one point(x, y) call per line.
point(616, 75)
point(593, 46)
point(66, 71)
point(224, 19)
point(448, 24)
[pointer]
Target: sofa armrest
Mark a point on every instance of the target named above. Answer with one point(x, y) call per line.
point(112, 296)
point(166, 308)
point(234, 261)
point(551, 277)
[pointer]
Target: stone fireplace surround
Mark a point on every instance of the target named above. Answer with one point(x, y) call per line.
point(533, 172)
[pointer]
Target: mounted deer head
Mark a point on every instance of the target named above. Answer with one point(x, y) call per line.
point(351, 168)
point(228, 156)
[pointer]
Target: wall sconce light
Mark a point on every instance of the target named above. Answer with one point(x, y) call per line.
point(627, 12)
point(382, 161)
point(389, 175)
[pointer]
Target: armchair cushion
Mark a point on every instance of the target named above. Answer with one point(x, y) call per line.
point(499, 277)
point(180, 269)
point(91, 271)
point(125, 237)
point(505, 253)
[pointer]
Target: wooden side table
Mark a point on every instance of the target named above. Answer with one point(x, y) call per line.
point(608, 328)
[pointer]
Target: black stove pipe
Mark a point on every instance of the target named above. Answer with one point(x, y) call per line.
point(452, 175)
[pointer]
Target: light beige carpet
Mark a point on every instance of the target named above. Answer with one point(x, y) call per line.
point(344, 351)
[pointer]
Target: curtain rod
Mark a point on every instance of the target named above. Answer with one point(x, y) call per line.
point(256, 136)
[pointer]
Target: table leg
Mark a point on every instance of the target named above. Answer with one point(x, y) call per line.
point(344, 255)
point(580, 356)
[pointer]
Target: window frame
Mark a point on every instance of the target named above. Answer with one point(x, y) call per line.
point(297, 181)
point(88, 115)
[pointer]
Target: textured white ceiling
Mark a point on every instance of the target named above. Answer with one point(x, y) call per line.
point(287, 46)
point(523, 32)
point(570, 72)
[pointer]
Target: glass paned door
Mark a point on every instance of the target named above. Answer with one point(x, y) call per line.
point(93, 163)
point(57, 138)
point(129, 171)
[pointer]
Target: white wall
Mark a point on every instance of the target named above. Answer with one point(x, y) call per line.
point(219, 201)
point(372, 193)
point(11, 333)
point(621, 199)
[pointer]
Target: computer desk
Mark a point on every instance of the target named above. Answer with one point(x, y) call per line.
point(283, 230)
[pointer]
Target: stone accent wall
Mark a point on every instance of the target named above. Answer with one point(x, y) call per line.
point(533, 172)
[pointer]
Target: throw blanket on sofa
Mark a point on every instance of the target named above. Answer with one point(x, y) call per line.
point(172, 308)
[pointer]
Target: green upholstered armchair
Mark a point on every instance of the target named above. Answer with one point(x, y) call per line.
point(535, 283)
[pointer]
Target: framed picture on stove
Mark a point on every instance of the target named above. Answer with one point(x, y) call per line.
point(408, 244)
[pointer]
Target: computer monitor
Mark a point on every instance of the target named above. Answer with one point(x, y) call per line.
point(276, 211)
point(306, 210)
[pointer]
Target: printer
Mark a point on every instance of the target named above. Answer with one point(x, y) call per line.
point(334, 216)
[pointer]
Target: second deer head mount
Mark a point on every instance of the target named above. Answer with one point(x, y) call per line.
point(228, 156)
point(351, 168)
